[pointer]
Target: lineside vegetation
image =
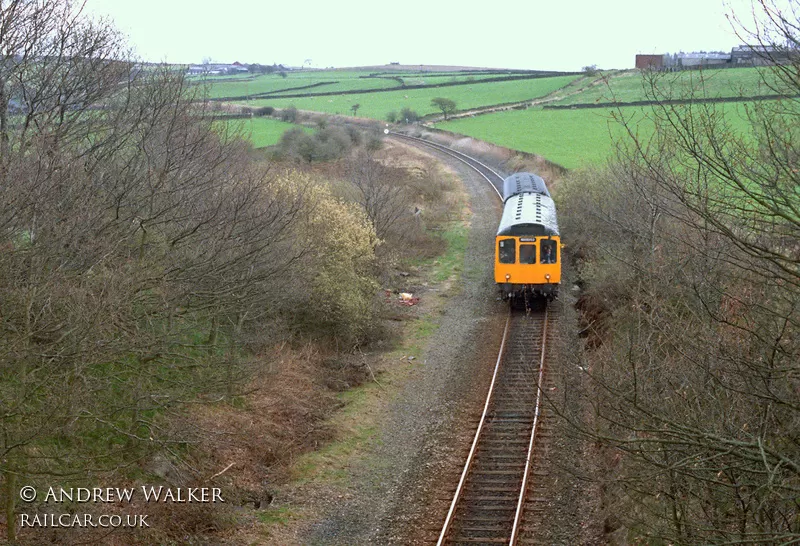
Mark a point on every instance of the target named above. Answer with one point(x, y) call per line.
point(687, 250)
point(154, 268)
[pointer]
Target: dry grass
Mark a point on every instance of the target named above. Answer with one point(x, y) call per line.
point(249, 445)
point(245, 445)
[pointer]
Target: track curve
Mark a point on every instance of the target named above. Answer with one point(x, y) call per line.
point(494, 178)
point(498, 495)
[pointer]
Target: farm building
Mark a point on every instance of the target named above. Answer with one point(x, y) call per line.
point(695, 60)
point(745, 55)
point(757, 55)
point(217, 69)
point(649, 62)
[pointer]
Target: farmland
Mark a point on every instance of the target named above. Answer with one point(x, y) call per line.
point(629, 86)
point(345, 81)
point(467, 96)
point(572, 136)
point(262, 131)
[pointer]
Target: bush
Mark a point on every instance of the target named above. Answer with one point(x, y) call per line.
point(265, 111)
point(289, 114)
point(408, 115)
point(326, 144)
point(336, 279)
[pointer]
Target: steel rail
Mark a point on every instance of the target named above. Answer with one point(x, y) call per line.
point(531, 443)
point(472, 162)
point(467, 160)
point(471, 455)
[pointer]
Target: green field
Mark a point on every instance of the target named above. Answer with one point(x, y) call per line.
point(572, 138)
point(334, 81)
point(272, 83)
point(261, 131)
point(569, 137)
point(631, 86)
point(378, 105)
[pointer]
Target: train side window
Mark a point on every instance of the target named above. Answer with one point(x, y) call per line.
point(527, 254)
point(507, 251)
point(549, 249)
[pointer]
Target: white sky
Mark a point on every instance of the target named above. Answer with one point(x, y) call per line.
point(525, 34)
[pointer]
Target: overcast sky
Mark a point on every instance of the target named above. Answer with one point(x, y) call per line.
point(525, 34)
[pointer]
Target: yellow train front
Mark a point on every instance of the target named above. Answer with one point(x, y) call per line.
point(527, 246)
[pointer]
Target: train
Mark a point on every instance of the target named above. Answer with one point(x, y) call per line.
point(527, 262)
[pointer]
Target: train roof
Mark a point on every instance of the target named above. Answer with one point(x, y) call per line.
point(523, 183)
point(529, 214)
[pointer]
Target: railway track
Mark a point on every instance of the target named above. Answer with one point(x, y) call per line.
point(500, 496)
point(496, 499)
point(494, 178)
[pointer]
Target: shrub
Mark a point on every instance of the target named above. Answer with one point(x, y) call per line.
point(265, 111)
point(289, 114)
point(408, 115)
point(326, 144)
point(336, 278)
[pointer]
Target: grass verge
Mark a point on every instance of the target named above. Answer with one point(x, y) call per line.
point(325, 473)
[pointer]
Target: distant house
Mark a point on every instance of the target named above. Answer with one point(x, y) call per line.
point(649, 62)
point(702, 59)
point(217, 69)
point(745, 55)
point(759, 55)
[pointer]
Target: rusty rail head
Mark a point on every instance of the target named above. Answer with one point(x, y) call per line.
point(532, 442)
point(449, 519)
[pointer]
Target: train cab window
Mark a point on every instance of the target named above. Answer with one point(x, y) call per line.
point(527, 254)
point(549, 249)
point(507, 251)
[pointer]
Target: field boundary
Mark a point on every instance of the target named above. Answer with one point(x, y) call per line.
point(703, 100)
point(273, 94)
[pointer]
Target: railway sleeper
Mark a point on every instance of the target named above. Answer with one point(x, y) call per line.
point(488, 500)
point(513, 441)
point(486, 533)
point(507, 455)
point(482, 484)
point(478, 540)
point(500, 529)
point(510, 436)
point(505, 467)
point(520, 425)
point(522, 404)
point(484, 477)
point(515, 424)
point(520, 421)
point(493, 513)
point(511, 490)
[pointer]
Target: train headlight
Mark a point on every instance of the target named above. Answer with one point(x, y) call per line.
point(547, 276)
point(508, 276)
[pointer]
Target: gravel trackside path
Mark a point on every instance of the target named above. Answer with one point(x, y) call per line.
point(393, 488)
point(399, 492)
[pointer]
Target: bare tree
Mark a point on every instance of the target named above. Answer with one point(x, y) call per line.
point(128, 224)
point(379, 191)
point(690, 246)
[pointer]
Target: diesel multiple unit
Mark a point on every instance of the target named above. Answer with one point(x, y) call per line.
point(527, 247)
